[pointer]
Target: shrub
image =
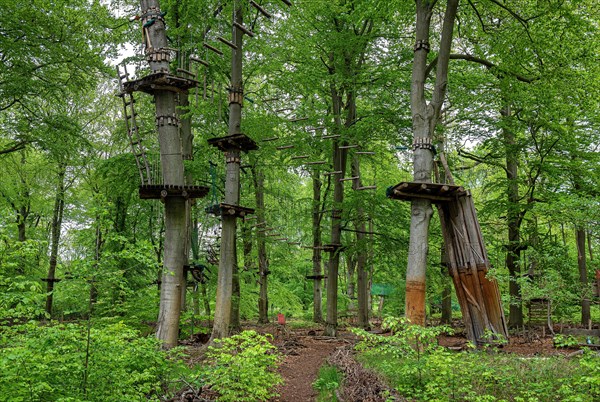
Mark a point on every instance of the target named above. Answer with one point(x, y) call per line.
point(328, 381)
point(242, 368)
point(48, 363)
point(418, 368)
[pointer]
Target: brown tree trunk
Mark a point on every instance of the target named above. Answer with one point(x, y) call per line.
point(362, 281)
point(513, 218)
point(263, 263)
point(339, 164)
point(317, 243)
point(425, 117)
point(185, 132)
point(350, 284)
point(99, 241)
point(583, 279)
point(57, 217)
point(446, 290)
point(235, 325)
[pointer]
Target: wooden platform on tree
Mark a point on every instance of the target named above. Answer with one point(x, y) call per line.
point(159, 82)
point(331, 247)
point(316, 277)
point(236, 141)
point(435, 192)
point(161, 191)
point(223, 209)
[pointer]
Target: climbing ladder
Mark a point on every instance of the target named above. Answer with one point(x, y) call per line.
point(133, 131)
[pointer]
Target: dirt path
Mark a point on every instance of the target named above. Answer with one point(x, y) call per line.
point(304, 355)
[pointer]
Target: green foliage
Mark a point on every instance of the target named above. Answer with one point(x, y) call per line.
point(242, 368)
point(418, 368)
point(327, 382)
point(20, 299)
point(47, 363)
point(565, 341)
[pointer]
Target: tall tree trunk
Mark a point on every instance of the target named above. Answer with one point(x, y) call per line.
point(263, 263)
point(194, 240)
point(362, 281)
point(57, 217)
point(339, 165)
point(227, 259)
point(171, 161)
point(425, 117)
point(513, 252)
point(99, 241)
point(350, 284)
point(583, 279)
point(316, 251)
point(446, 290)
point(22, 213)
point(235, 325)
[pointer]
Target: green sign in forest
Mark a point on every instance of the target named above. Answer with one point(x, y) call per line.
point(382, 289)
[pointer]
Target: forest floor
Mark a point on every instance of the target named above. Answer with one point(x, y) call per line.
point(306, 350)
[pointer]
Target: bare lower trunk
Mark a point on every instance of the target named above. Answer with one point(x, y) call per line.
point(513, 254)
point(336, 238)
point(263, 263)
point(185, 132)
point(350, 287)
point(57, 216)
point(235, 326)
point(446, 298)
point(317, 243)
point(362, 280)
point(583, 279)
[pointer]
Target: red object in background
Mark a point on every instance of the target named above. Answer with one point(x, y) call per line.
point(280, 319)
point(598, 274)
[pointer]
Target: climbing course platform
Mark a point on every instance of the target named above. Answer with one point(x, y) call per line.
point(236, 141)
point(162, 191)
point(435, 192)
point(466, 256)
point(160, 81)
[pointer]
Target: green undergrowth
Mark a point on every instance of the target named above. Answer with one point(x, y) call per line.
point(418, 368)
point(327, 382)
point(56, 362)
point(59, 362)
point(242, 368)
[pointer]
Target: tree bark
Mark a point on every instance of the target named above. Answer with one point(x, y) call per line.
point(185, 132)
point(425, 117)
point(235, 325)
point(171, 161)
point(513, 252)
point(350, 284)
point(227, 259)
point(339, 164)
point(263, 263)
point(57, 217)
point(362, 280)
point(317, 243)
point(583, 279)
